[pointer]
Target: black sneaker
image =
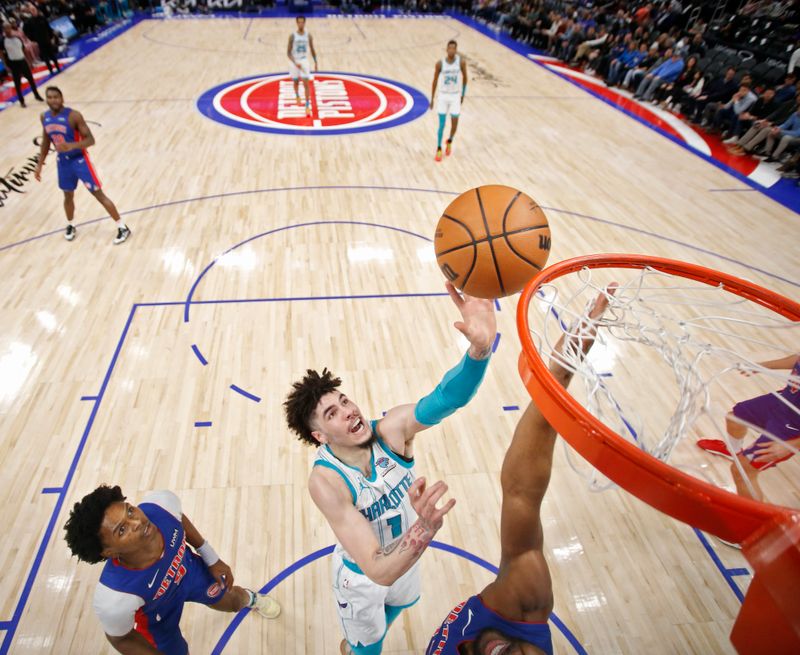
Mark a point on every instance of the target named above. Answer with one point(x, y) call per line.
point(122, 235)
point(69, 235)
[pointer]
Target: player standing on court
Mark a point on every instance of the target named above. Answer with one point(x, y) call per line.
point(363, 482)
point(68, 131)
point(776, 413)
point(510, 615)
point(149, 572)
point(300, 44)
point(450, 74)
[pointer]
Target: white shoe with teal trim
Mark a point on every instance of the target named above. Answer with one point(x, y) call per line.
point(266, 607)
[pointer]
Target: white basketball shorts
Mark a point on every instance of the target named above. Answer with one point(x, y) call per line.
point(302, 71)
point(448, 103)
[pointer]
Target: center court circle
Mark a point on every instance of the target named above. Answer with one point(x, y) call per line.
point(341, 103)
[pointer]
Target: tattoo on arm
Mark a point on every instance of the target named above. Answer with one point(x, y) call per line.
point(416, 540)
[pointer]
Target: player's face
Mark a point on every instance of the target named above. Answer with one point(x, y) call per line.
point(451, 50)
point(125, 529)
point(55, 101)
point(493, 642)
point(339, 422)
point(301, 24)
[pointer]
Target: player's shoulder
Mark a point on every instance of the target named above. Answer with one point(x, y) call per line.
point(328, 485)
point(166, 500)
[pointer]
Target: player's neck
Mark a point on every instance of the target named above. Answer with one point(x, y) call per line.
point(450, 60)
point(354, 456)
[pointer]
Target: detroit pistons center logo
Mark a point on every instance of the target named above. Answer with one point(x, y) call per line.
point(341, 103)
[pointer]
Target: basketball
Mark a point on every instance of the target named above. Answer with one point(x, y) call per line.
point(491, 241)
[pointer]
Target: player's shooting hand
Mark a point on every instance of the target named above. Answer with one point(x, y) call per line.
point(478, 321)
point(430, 106)
point(220, 569)
point(774, 451)
point(424, 500)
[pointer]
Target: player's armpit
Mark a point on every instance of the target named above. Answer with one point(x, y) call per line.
point(398, 428)
point(523, 590)
point(132, 643)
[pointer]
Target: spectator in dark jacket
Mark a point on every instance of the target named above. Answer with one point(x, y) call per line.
point(719, 90)
point(37, 29)
point(787, 90)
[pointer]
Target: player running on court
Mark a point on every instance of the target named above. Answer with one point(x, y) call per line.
point(450, 75)
point(149, 571)
point(363, 482)
point(68, 131)
point(776, 413)
point(510, 615)
point(300, 44)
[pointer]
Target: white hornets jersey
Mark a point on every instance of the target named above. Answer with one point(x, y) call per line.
point(382, 498)
point(450, 76)
point(300, 46)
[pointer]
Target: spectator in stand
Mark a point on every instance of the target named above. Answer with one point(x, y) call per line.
point(687, 93)
point(728, 113)
point(665, 73)
point(38, 30)
point(651, 61)
point(598, 40)
point(508, 14)
point(718, 90)
point(642, 14)
point(29, 48)
point(627, 61)
point(787, 90)
point(13, 57)
point(761, 108)
point(758, 133)
point(686, 77)
point(789, 134)
point(711, 108)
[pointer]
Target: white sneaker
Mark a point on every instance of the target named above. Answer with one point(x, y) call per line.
point(731, 140)
point(122, 235)
point(69, 235)
point(266, 607)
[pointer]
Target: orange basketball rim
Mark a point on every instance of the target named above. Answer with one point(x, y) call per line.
point(769, 621)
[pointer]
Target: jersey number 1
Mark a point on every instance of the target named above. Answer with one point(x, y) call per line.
point(396, 524)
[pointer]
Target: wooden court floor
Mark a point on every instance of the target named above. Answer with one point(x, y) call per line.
point(90, 320)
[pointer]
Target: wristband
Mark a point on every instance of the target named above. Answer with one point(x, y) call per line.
point(208, 554)
point(463, 90)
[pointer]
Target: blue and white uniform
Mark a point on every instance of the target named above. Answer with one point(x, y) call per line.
point(300, 51)
point(469, 619)
point(366, 608)
point(450, 85)
point(151, 600)
point(75, 164)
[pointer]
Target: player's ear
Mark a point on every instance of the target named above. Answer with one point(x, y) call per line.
point(320, 437)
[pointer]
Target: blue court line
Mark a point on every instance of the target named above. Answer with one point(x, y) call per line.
point(199, 355)
point(234, 301)
point(13, 624)
point(247, 31)
point(202, 424)
point(5, 625)
point(323, 552)
point(726, 573)
point(735, 572)
point(510, 408)
point(780, 193)
point(53, 490)
point(588, 217)
point(496, 342)
point(246, 394)
point(88, 397)
point(497, 304)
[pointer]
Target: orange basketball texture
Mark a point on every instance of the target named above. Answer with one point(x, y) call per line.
point(491, 241)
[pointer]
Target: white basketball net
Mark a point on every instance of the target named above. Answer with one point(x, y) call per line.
point(668, 360)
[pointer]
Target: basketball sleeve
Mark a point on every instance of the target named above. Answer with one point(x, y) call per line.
point(456, 389)
point(166, 500)
point(115, 609)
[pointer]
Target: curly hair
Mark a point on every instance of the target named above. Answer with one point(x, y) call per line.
point(303, 400)
point(83, 525)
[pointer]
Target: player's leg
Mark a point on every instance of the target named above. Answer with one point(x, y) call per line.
point(745, 472)
point(440, 136)
point(123, 231)
point(307, 89)
point(68, 182)
point(754, 411)
point(453, 128)
point(294, 72)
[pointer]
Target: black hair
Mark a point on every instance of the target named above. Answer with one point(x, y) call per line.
point(452, 42)
point(83, 525)
point(297, 18)
point(301, 402)
point(53, 88)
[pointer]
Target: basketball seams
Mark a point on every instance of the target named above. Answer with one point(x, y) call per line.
point(477, 242)
point(507, 234)
point(491, 245)
point(473, 244)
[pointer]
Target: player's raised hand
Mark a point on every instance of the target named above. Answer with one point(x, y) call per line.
point(774, 451)
point(222, 574)
point(424, 500)
point(478, 321)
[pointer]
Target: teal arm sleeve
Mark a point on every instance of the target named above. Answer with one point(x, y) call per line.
point(456, 389)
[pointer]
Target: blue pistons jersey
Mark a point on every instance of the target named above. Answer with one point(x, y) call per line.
point(60, 131)
point(469, 619)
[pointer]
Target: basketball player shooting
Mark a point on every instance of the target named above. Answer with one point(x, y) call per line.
point(149, 573)
point(363, 482)
point(450, 75)
point(509, 616)
point(300, 43)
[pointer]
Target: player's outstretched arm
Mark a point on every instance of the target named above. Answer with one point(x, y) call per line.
point(479, 325)
point(133, 643)
point(383, 566)
point(523, 589)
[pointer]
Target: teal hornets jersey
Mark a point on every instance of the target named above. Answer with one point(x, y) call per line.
point(450, 76)
point(300, 46)
point(382, 497)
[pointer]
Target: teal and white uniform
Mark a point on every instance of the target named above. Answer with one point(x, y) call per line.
point(382, 498)
point(300, 52)
point(449, 85)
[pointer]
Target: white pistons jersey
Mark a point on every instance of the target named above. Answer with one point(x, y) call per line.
point(300, 46)
point(382, 498)
point(450, 76)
